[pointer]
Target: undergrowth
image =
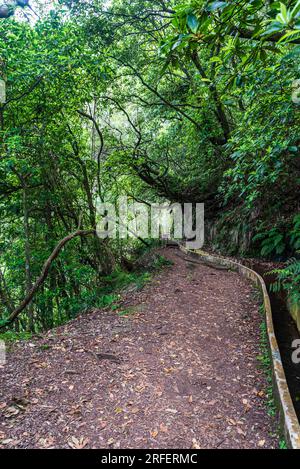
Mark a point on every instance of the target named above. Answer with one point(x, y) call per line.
point(12, 336)
point(105, 295)
point(288, 279)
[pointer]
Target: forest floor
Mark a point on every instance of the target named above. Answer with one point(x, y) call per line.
point(174, 367)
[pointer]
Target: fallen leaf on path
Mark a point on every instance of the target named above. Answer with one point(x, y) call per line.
point(163, 428)
point(195, 444)
point(78, 443)
point(231, 422)
point(247, 406)
point(139, 388)
point(135, 410)
point(241, 432)
point(171, 411)
point(11, 412)
point(46, 442)
point(7, 442)
point(102, 425)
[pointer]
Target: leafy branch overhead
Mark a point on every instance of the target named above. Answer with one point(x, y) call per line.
point(189, 101)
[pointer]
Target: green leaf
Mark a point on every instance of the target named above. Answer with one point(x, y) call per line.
point(192, 22)
point(215, 59)
point(284, 16)
point(217, 6)
point(289, 34)
point(293, 149)
point(296, 10)
point(4, 322)
point(283, 10)
point(275, 27)
point(293, 53)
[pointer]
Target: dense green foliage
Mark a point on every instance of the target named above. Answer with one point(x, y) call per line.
point(188, 101)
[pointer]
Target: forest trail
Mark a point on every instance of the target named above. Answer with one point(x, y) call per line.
point(179, 370)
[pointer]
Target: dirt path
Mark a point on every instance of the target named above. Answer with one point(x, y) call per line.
point(186, 372)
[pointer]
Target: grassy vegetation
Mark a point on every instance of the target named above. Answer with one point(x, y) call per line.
point(11, 336)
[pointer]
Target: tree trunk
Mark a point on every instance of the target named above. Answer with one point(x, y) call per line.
point(28, 277)
point(44, 274)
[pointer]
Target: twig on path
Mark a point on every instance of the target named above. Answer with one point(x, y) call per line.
point(72, 372)
point(105, 356)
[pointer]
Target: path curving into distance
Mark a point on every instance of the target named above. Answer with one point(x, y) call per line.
point(179, 370)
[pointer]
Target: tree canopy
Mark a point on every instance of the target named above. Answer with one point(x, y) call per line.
point(189, 101)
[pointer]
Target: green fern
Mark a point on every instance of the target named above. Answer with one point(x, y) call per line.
point(288, 279)
point(295, 232)
point(272, 242)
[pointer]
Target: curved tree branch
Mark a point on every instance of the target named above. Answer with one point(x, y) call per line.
point(95, 123)
point(156, 93)
point(44, 274)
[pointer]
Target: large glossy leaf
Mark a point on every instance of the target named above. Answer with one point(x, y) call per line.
point(217, 6)
point(192, 22)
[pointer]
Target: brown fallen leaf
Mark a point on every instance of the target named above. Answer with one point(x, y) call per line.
point(42, 365)
point(169, 370)
point(154, 433)
point(7, 441)
point(231, 422)
point(11, 412)
point(102, 424)
point(163, 428)
point(134, 410)
point(171, 411)
point(78, 443)
point(247, 406)
point(241, 432)
point(195, 444)
point(46, 442)
point(139, 388)
point(212, 403)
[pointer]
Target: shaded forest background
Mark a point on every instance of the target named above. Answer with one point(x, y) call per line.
point(193, 101)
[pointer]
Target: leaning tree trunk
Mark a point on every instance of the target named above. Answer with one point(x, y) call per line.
point(44, 274)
